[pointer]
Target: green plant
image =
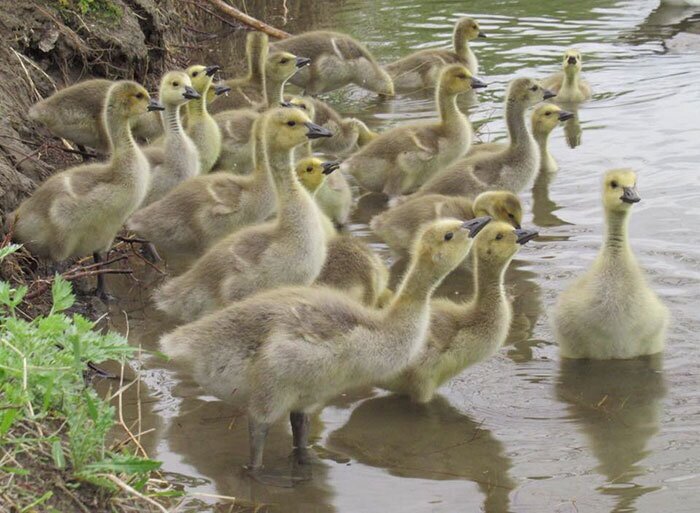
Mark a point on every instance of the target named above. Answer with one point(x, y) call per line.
point(105, 8)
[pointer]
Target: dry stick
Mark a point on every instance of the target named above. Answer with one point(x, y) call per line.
point(241, 17)
point(121, 484)
point(120, 413)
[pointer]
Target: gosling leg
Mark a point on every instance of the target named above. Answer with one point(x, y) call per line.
point(300, 436)
point(257, 433)
point(100, 291)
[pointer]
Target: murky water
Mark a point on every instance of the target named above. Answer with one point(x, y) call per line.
point(520, 432)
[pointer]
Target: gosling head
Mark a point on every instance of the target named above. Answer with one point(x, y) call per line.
point(176, 88)
point(128, 99)
point(620, 190)
point(443, 244)
point(281, 66)
point(528, 91)
point(201, 77)
point(456, 79)
point(301, 102)
point(546, 117)
point(502, 206)
point(312, 172)
point(572, 61)
point(498, 243)
point(286, 128)
point(468, 29)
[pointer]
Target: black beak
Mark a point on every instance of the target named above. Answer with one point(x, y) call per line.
point(476, 225)
point(154, 105)
point(630, 195)
point(571, 60)
point(302, 61)
point(315, 131)
point(191, 94)
point(549, 94)
point(564, 115)
point(210, 70)
point(478, 84)
point(329, 167)
point(482, 34)
point(525, 236)
point(221, 89)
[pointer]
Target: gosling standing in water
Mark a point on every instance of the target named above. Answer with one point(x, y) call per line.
point(461, 335)
point(289, 250)
point(421, 70)
point(80, 210)
point(336, 61)
point(568, 84)
point(295, 348)
point(400, 160)
point(610, 312)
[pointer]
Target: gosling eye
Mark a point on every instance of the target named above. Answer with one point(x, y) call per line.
point(176, 84)
point(139, 96)
point(547, 113)
point(291, 123)
point(613, 184)
point(511, 216)
point(449, 235)
point(194, 74)
point(309, 169)
point(284, 61)
point(499, 236)
point(462, 76)
point(534, 88)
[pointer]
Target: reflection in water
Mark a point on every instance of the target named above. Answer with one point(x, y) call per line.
point(665, 23)
point(432, 441)
point(543, 207)
point(572, 129)
point(618, 406)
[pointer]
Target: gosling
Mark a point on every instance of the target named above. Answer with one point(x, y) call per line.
point(400, 160)
point(463, 334)
point(289, 250)
point(398, 225)
point(248, 91)
point(177, 159)
point(80, 210)
point(297, 347)
point(421, 69)
point(201, 126)
point(510, 169)
point(336, 61)
point(568, 84)
point(610, 312)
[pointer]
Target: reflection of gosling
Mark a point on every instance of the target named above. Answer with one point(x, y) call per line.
point(336, 60)
point(289, 250)
point(510, 169)
point(399, 160)
point(568, 84)
point(200, 211)
point(421, 69)
point(201, 127)
point(298, 347)
point(398, 225)
point(610, 312)
point(80, 210)
point(177, 159)
point(464, 334)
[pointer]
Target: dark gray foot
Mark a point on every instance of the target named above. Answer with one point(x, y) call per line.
point(300, 429)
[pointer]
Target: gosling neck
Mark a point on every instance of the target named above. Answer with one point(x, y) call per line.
point(447, 106)
point(274, 92)
point(542, 140)
point(488, 282)
point(171, 119)
point(291, 195)
point(121, 142)
point(616, 234)
point(460, 44)
point(515, 121)
point(415, 289)
point(571, 78)
point(197, 108)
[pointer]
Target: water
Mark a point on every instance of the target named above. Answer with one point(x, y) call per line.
point(520, 432)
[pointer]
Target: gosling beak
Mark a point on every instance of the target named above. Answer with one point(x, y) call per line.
point(221, 89)
point(329, 167)
point(287, 104)
point(482, 33)
point(630, 195)
point(190, 93)
point(549, 94)
point(564, 115)
point(478, 84)
point(316, 131)
point(210, 70)
point(154, 105)
point(571, 60)
point(302, 61)
point(476, 225)
point(524, 236)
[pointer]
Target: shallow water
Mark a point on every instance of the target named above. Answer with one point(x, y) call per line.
point(520, 432)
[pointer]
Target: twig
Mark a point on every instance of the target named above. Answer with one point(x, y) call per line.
point(121, 484)
point(120, 412)
point(241, 17)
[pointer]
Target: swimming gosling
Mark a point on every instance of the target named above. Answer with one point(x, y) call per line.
point(462, 334)
point(421, 70)
point(295, 348)
point(568, 84)
point(610, 312)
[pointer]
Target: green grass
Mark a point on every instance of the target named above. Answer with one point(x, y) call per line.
point(54, 426)
point(102, 8)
